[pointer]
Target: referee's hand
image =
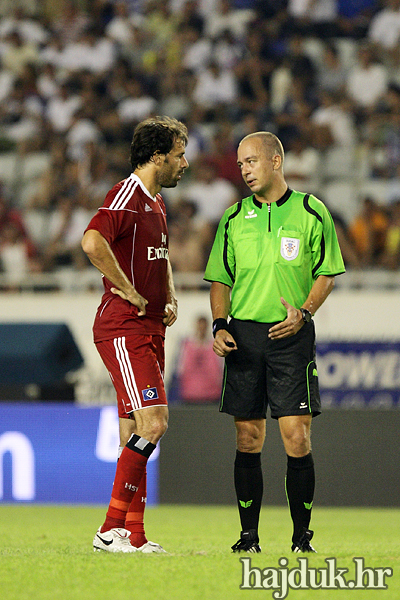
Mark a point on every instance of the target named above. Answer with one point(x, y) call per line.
point(223, 343)
point(290, 326)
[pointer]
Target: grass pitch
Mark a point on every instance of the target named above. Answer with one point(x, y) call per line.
point(46, 553)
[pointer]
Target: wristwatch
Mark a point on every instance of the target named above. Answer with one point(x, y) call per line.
point(307, 316)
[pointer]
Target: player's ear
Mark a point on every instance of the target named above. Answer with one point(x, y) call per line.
point(157, 158)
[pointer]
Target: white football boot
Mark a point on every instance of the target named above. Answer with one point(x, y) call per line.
point(150, 547)
point(114, 540)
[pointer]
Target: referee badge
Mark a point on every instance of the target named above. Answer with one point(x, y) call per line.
point(290, 248)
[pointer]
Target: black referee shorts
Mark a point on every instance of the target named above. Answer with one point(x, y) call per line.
point(279, 373)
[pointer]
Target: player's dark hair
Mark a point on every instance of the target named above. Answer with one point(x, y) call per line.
point(155, 135)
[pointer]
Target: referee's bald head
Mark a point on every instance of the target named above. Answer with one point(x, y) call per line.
point(270, 142)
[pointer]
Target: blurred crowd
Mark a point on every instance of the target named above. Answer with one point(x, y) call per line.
point(323, 75)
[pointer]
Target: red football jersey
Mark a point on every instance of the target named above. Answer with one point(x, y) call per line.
point(134, 224)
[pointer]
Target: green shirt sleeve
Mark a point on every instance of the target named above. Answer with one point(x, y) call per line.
point(326, 255)
point(221, 265)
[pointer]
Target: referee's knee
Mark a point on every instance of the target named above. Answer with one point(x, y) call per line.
point(250, 437)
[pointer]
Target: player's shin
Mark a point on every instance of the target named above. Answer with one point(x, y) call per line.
point(131, 467)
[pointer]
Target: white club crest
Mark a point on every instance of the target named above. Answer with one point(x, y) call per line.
point(290, 248)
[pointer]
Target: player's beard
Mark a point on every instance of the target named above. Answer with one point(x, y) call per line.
point(167, 180)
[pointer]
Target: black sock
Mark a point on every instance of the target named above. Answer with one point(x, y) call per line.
point(300, 484)
point(249, 488)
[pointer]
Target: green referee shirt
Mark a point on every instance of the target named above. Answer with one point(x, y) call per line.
point(267, 251)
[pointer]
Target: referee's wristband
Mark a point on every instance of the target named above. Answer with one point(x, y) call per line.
point(219, 324)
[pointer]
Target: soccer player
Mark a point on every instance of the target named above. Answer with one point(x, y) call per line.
point(127, 240)
point(272, 265)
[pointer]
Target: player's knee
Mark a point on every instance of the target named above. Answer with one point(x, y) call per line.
point(155, 429)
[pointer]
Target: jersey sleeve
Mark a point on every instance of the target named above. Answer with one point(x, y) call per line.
point(326, 255)
point(111, 223)
point(221, 264)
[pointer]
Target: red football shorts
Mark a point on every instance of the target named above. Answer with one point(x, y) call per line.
point(136, 368)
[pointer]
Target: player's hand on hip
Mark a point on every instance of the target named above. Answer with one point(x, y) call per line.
point(290, 326)
point(134, 298)
point(170, 312)
point(223, 343)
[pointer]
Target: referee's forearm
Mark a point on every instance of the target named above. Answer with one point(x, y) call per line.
point(220, 298)
point(319, 292)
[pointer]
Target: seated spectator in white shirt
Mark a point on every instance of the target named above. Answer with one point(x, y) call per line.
point(229, 19)
point(197, 50)
point(215, 86)
point(367, 82)
point(384, 29)
point(301, 165)
point(137, 105)
point(61, 109)
point(211, 194)
point(337, 122)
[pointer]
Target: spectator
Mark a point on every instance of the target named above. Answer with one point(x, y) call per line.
point(199, 368)
point(333, 122)
point(67, 222)
point(391, 256)
point(314, 17)
point(367, 82)
point(382, 133)
point(332, 75)
point(228, 19)
point(197, 51)
point(302, 165)
point(61, 109)
point(223, 155)
point(211, 194)
point(215, 88)
point(18, 53)
point(354, 17)
point(15, 258)
point(384, 30)
point(30, 29)
point(368, 232)
point(71, 23)
point(122, 28)
point(136, 105)
point(188, 238)
point(347, 247)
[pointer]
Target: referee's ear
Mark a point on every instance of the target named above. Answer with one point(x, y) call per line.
point(277, 162)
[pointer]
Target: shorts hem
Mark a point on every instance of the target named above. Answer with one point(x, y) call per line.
point(314, 413)
point(247, 417)
point(126, 412)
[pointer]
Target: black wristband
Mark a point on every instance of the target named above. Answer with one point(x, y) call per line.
point(219, 324)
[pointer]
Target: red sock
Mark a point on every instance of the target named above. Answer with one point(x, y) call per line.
point(130, 468)
point(134, 520)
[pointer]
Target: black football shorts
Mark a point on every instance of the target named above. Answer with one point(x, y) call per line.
point(281, 374)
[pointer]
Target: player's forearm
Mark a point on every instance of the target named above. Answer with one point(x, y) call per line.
point(319, 292)
point(102, 257)
point(171, 293)
point(220, 298)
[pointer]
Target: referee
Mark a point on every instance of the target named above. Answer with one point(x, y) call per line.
point(271, 267)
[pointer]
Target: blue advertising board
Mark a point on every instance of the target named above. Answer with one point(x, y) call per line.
point(62, 454)
point(359, 374)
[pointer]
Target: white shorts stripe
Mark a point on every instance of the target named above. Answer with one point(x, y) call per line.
point(132, 376)
point(123, 360)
